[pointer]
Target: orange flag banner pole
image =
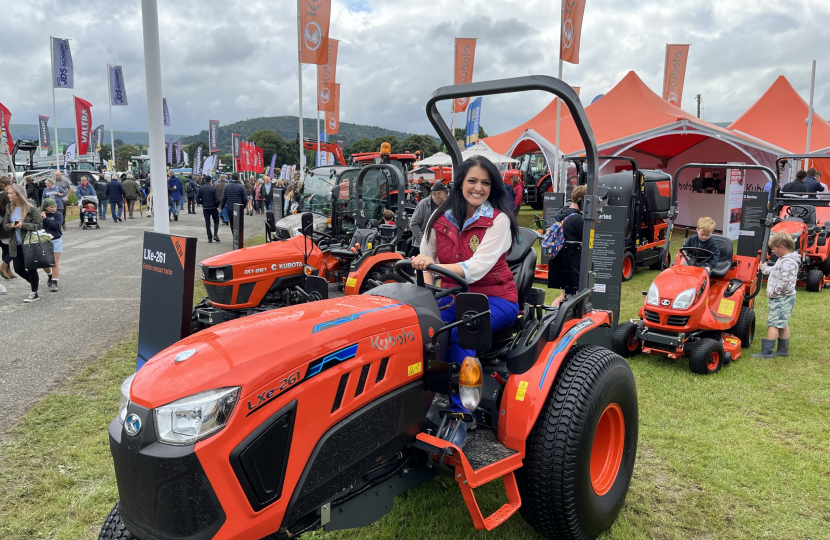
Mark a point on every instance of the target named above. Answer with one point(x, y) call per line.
point(465, 52)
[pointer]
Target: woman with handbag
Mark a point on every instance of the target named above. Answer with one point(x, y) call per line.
point(22, 218)
point(52, 223)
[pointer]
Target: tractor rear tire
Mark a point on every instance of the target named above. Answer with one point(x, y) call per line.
point(825, 266)
point(113, 528)
point(815, 280)
point(662, 256)
point(625, 340)
point(707, 357)
point(581, 451)
point(629, 265)
point(744, 329)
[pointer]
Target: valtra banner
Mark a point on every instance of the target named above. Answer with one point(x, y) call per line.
point(675, 74)
point(326, 77)
point(5, 119)
point(571, 33)
point(333, 118)
point(43, 129)
point(314, 30)
point(213, 135)
point(83, 123)
point(465, 52)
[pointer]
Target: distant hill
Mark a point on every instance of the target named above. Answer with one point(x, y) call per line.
point(288, 126)
point(65, 135)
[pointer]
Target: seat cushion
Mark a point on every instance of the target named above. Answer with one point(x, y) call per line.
point(726, 247)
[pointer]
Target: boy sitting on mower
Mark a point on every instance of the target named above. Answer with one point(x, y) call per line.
point(781, 293)
point(703, 240)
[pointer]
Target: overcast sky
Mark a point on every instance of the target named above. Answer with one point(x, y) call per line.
point(233, 60)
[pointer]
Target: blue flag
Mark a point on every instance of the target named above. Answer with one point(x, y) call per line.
point(322, 157)
point(170, 151)
point(473, 121)
point(166, 112)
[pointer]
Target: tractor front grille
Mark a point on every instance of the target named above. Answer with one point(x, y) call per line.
point(677, 320)
point(220, 294)
point(653, 316)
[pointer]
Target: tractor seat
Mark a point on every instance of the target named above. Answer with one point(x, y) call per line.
point(363, 237)
point(725, 247)
point(809, 220)
point(522, 262)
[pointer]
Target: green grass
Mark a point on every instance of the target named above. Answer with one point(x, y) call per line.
point(740, 454)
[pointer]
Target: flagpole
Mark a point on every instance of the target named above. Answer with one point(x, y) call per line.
point(56, 152)
point(555, 184)
point(112, 136)
point(318, 160)
point(77, 136)
point(300, 80)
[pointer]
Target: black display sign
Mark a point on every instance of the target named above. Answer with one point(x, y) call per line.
point(552, 203)
point(278, 203)
point(609, 246)
point(238, 229)
point(167, 274)
point(753, 216)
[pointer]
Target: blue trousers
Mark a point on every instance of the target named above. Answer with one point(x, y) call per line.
point(224, 215)
point(120, 205)
point(102, 207)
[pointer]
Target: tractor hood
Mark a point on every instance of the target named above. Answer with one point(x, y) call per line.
point(287, 251)
point(292, 223)
point(253, 351)
point(677, 279)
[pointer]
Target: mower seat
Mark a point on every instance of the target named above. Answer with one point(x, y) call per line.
point(522, 262)
point(725, 247)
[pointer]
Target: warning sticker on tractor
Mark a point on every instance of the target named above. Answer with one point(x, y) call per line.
point(520, 393)
point(732, 341)
point(726, 307)
point(351, 282)
point(414, 369)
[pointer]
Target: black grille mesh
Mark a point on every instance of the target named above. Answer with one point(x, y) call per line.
point(341, 389)
point(382, 370)
point(652, 316)
point(677, 320)
point(361, 382)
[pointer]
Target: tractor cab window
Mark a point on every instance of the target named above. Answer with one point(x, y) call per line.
point(316, 194)
point(375, 193)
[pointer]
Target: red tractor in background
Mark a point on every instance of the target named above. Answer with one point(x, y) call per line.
point(331, 147)
point(537, 178)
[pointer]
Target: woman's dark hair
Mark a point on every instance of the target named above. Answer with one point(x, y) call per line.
point(456, 202)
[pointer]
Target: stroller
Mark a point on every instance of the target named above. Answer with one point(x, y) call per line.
point(89, 212)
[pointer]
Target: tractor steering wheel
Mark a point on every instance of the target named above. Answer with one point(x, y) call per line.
point(696, 256)
point(438, 292)
point(798, 212)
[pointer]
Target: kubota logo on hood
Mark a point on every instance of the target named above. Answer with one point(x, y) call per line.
point(385, 342)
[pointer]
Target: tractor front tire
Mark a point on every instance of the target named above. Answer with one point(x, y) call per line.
point(625, 340)
point(628, 266)
point(581, 451)
point(744, 329)
point(707, 357)
point(815, 280)
point(113, 528)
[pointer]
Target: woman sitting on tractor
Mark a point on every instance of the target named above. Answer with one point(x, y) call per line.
point(470, 235)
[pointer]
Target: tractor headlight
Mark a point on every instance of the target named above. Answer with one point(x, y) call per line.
point(195, 417)
point(202, 269)
point(653, 296)
point(124, 398)
point(684, 299)
point(296, 231)
point(470, 382)
point(220, 275)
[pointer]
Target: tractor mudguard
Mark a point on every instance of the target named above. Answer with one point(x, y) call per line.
point(355, 280)
point(525, 395)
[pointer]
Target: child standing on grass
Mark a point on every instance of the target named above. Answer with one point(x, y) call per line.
point(781, 293)
point(703, 240)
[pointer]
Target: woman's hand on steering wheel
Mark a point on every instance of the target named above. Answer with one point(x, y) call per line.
point(420, 262)
point(432, 267)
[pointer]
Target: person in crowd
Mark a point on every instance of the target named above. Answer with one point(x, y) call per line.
point(190, 188)
point(234, 193)
point(572, 223)
point(176, 194)
point(84, 189)
point(511, 196)
point(115, 195)
point(101, 193)
point(249, 190)
point(52, 221)
point(425, 188)
point(812, 185)
point(5, 270)
point(266, 192)
point(388, 217)
point(149, 191)
point(470, 235)
point(54, 192)
point(258, 196)
point(131, 193)
point(781, 282)
point(22, 218)
point(220, 188)
point(518, 193)
point(208, 198)
point(703, 240)
point(796, 186)
point(66, 186)
point(424, 210)
point(826, 189)
point(31, 189)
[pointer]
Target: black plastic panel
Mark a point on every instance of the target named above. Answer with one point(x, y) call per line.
point(244, 293)
point(361, 382)
point(221, 294)
point(341, 389)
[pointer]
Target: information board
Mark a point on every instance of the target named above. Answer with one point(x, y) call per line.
point(238, 229)
point(753, 216)
point(167, 274)
point(609, 246)
point(277, 206)
point(733, 203)
point(552, 203)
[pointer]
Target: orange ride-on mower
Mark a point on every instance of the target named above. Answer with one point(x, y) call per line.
point(708, 317)
point(318, 415)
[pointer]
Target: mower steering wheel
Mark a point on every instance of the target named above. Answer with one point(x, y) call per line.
point(438, 292)
point(696, 256)
point(798, 212)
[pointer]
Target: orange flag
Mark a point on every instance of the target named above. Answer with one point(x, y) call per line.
point(326, 76)
point(572, 11)
point(314, 30)
point(333, 117)
point(676, 56)
point(465, 53)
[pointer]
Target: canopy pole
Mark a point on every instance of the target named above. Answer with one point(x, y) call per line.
point(300, 80)
point(810, 110)
point(555, 183)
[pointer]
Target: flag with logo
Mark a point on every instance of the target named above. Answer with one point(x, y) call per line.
point(236, 140)
point(179, 151)
point(43, 129)
point(63, 72)
point(5, 120)
point(675, 74)
point(571, 31)
point(465, 53)
point(69, 153)
point(83, 123)
point(213, 136)
point(118, 92)
point(273, 163)
point(473, 121)
point(314, 30)
point(170, 152)
point(326, 77)
point(98, 138)
point(166, 111)
point(197, 160)
point(333, 118)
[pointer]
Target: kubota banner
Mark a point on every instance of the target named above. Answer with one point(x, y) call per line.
point(83, 123)
point(326, 77)
point(314, 30)
point(333, 118)
point(676, 56)
point(571, 32)
point(5, 119)
point(465, 53)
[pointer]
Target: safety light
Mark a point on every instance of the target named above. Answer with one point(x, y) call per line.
point(684, 299)
point(385, 149)
point(195, 417)
point(308, 270)
point(653, 296)
point(470, 383)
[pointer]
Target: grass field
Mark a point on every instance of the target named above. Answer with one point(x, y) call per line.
point(740, 454)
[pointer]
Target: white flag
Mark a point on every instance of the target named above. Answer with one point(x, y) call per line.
point(69, 153)
point(63, 73)
point(118, 91)
point(186, 164)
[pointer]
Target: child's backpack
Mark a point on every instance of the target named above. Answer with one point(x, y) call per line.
point(554, 238)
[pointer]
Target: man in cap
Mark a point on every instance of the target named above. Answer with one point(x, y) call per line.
point(424, 210)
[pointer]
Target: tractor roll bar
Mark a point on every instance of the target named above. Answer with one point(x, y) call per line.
point(400, 215)
point(568, 96)
point(787, 157)
point(578, 160)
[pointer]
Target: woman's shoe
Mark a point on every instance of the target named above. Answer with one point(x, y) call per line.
point(4, 271)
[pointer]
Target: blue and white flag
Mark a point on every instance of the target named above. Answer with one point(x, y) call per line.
point(63, 72)
point(170, 151)
point(118, 92)
point(273, 163)
point(197, 161)
point(322, 157)
point(179, 151)
point(166, 112)
point(473, 122)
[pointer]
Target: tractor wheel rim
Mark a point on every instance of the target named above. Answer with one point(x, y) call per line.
point(633, 342)
point(713, 361)
point(607, 450)
point(627, 267)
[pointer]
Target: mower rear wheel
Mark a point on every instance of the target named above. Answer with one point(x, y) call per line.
point(113, 528)
point(744, 329)
point(625, 341)
point(825, 266)
point(707, 357)
point(815, 280)
point(581, 451)
point(663, 256)
point(628, 266)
